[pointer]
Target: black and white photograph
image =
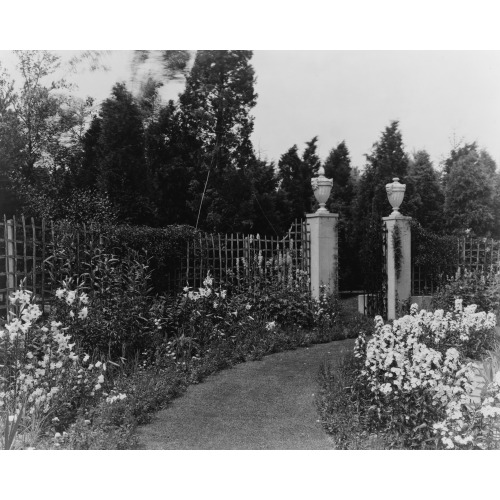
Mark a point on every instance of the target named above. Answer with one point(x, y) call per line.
point(248, 251)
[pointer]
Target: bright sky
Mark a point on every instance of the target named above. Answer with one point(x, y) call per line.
point(353, 95)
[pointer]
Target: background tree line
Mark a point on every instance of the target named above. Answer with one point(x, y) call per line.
point(137, 159)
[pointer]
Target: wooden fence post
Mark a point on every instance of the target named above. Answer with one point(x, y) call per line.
point(10, 263)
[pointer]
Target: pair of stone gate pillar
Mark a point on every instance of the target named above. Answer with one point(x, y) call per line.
point(323, 228)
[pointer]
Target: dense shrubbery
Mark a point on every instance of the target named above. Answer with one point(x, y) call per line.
point(108, 312)
point(412, 384)
point(165, 248)
point(122, 313)
point(435, 253)
point(474, 287)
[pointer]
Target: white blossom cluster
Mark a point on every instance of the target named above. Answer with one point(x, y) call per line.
point(410, 355)
point(205, 292)
point(41, 368)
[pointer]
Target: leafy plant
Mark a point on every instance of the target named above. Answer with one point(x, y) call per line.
point(473, 287)
point(417, 381)
point(41, 372)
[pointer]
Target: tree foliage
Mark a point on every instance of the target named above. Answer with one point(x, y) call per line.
point(295, 174)
point(471, 195)
point(424, 192)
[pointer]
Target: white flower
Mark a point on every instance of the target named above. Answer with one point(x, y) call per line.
point(271, 325)
point(83, 313)
point(60, 293)
point(386, 388)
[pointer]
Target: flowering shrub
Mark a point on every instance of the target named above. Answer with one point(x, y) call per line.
point(326, 308)
point(415, 371)
point(199, 317)
point(473, 287)
point(469, 426)
point(122, 318)
point(42, 375)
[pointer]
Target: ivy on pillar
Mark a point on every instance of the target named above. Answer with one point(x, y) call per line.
point(323, 230)
point(398, 250)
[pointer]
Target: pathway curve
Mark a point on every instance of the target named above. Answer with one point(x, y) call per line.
point(266, 404)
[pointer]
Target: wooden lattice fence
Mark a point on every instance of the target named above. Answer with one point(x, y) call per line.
point(246, 260)
point(28, 253)
point(472, 254)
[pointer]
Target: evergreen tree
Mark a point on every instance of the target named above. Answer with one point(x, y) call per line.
point(122, 170)
point(456, 153)
point(387, 160)
point(170, 162)
point(470, 198)
point(424, 193)
point(292, 185)
point(215, 108)
point(310, 159)
point(295, 175)
point(338, 168)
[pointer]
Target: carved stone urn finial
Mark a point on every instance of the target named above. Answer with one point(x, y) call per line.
point(395, 194)
point(322, 188)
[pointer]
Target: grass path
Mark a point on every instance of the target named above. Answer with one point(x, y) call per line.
point(266, 404)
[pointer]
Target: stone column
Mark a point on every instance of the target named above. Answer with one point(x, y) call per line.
point(398, 254)
point(324, 251)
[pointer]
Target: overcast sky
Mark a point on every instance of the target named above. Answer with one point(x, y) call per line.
point(437, 96)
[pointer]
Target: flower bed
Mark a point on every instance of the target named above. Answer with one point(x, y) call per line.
point(414, 380)
point(56, 393)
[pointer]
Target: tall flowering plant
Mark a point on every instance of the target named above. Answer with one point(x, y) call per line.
point(42, 376)
point(413, 374)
